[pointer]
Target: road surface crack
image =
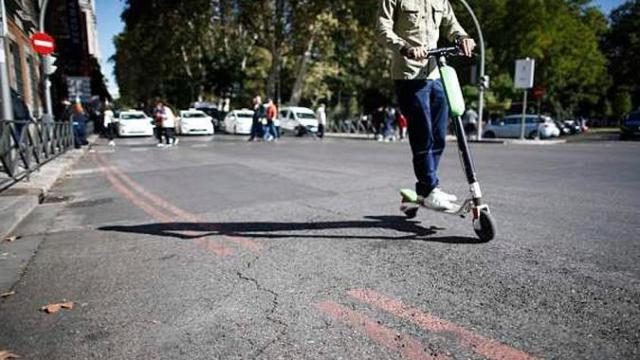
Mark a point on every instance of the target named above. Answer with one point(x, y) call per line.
point(270, 313)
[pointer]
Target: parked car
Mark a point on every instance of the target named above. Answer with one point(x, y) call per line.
point(239, 122)
point(134, 123)
point(574, 126)
point(511, 127)
point(216, 115)
point(630, 126)
point(564, 129)
point(194, 122)
point(298, 120)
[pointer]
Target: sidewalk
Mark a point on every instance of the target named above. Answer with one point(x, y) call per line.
point(17, 202)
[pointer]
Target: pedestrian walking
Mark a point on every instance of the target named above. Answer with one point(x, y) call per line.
point(270, 131)
point(321, 116)
point(79, 120)
point(258, 115)
point(402, 124)
point(169, 126)
point(389, 129)
point(109, 123)
point(158, 116)
point(377, 121)
point(410, 29)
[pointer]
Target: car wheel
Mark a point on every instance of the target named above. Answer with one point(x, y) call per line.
point(533, 135)
point(490, 135)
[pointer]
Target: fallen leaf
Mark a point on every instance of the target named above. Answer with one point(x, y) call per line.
point(54, 308)
point(67, 305)
point(5, 355)
point(51, 308)
point(7, 294)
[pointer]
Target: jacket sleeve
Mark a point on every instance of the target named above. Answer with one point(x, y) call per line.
point(386, 14)
point(452, 27)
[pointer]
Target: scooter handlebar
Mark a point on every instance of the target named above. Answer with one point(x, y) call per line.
point(445, 51)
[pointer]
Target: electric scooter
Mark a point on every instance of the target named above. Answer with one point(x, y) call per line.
point(483, 223)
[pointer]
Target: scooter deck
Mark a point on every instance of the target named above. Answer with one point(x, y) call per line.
point(410, 196)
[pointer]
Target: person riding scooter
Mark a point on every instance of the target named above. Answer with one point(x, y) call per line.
point(410, 28)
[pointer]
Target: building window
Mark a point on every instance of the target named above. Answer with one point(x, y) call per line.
point(17, 67)
point(33, 76)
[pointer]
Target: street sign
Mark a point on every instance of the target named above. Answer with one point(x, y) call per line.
point(525, 70)
point(43, 43)
point(538, 92)
point(79, 88)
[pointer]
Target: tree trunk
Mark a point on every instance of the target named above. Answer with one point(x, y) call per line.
point(298, 86)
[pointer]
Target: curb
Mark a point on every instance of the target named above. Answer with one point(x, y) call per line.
point(17, 202)
point(451, 138)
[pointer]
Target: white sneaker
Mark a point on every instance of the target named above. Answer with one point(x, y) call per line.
point(438, 201)
point(160, 145)
point(112, 143)
point(450, 197)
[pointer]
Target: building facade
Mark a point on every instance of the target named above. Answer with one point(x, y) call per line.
point(22, 60)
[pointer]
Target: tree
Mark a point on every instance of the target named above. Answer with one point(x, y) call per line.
point(622, 46)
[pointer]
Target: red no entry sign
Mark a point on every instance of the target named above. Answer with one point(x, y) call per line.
point(43, 43)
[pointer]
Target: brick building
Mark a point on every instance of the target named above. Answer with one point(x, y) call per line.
point(22, 60)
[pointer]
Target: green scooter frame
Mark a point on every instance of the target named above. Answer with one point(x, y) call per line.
point(483, 223)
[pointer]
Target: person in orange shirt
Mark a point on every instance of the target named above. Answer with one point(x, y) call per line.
point(270, 131)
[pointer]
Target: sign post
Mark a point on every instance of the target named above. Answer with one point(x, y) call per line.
point(43, 43)
point(525, 70)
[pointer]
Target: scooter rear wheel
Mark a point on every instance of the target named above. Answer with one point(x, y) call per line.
point(487, 229)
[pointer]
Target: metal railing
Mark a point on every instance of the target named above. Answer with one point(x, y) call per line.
point(26, 145)
point(351, 127)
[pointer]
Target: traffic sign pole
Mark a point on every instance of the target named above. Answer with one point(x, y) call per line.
point(525, 70)
point(48, 116)
point(524, 115)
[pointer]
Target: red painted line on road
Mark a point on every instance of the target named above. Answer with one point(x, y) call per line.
point(108, 171)
point(486, 347)
point(122, 189)
point(187, 216)
point(408, 346)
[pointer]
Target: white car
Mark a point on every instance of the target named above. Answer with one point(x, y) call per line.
point(134, 123)
point(511, 127)
point(194, 122)
point(298, 120)
point(239, 122)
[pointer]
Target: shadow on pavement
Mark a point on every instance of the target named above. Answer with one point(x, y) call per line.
point(280, 230)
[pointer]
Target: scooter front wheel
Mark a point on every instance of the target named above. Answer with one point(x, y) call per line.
point(485, 226)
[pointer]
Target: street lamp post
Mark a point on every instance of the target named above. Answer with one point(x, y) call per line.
point(5, 87)
point(482, 66)
point(44, 66)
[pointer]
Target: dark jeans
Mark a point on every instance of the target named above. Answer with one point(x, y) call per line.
point(255, 129)
point(159, 130)
point(320, 131)
point(169, 135)
point(111, 131)
point(80, 134)
point(424, 104)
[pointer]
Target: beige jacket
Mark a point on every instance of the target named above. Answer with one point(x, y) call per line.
point(415, 23)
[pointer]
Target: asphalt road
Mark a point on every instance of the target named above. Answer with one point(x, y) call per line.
point(223, 249)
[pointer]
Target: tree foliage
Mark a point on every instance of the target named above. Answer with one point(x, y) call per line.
point(310, 51)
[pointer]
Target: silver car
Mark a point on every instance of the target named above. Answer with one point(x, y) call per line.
point(511, 127)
